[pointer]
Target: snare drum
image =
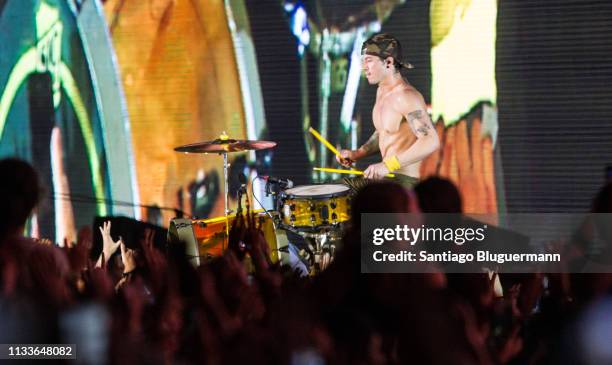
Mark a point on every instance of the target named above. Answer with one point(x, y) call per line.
point(315, 206)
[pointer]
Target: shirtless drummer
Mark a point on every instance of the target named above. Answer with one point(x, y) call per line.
point(404, 132)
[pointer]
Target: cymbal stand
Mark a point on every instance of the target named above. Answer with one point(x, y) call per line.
point(226, 209)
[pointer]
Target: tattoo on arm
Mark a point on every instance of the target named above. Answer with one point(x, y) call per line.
point(419, 122)
point(371, 145)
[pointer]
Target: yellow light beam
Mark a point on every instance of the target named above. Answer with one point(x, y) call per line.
point(72, 91)
point(20, 72)
point(25, 66)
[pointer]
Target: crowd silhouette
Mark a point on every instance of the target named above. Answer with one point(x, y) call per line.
point(148, 305)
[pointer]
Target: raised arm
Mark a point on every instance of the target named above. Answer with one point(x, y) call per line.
point(370, 147)
point(411, 105)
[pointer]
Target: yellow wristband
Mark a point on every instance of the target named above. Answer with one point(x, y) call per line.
point(392, 163)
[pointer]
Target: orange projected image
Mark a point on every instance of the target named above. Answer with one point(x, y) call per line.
point(467, 159)
point(182, 84)
point(179, 72)
point(463, 36)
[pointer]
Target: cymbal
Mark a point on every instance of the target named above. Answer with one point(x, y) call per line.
point(221, 145)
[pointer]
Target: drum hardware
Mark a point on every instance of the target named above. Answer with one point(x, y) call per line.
point(280, 182)
point(319, 253)
point(224, 145)
point(241, 191)
point(321, 232)
point(274, 187)
point(315, 212)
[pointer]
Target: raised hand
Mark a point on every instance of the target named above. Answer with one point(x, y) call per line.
point(258, 248)
point(44, 241)
point(155, 260)
point(128, 259)
point(98, 284)
point(109, 247)
point(236, 236)
point(346, 158)
point(77, 256)
point(512, 345)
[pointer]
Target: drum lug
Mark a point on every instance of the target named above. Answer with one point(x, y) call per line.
point(292, 207)
point(333, 204)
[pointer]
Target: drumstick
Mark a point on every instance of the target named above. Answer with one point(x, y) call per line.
point(325, 142)
point(339, 171)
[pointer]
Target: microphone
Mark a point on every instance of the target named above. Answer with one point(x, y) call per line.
point(285, 183)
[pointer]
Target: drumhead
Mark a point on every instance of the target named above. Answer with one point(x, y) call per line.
point(317, 191)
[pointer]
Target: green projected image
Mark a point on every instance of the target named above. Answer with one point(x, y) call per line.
point(47, 86)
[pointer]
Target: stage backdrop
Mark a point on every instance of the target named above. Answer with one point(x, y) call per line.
point(96, 94)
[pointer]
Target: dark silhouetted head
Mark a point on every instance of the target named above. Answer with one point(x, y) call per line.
point(438, 195)
point(19, 194)
point(602, 203)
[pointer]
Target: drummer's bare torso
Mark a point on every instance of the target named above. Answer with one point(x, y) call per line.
point(394, 132)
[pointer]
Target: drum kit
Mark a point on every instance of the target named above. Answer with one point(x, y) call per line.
point(315, 214)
